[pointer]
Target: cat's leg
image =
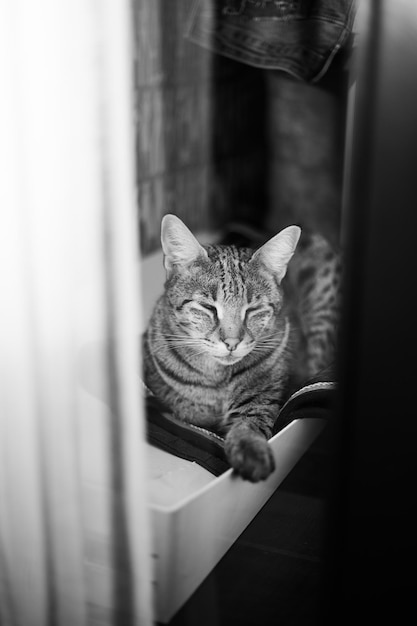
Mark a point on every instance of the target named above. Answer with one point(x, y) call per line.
point(247, 447)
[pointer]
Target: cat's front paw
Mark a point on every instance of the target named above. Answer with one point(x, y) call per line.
point(250, 455)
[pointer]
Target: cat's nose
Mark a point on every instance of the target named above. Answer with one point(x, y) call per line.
point(231, 343)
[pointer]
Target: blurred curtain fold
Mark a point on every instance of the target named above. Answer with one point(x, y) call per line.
point(74, 532)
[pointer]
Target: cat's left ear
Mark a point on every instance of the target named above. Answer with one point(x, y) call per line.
point(180, 246)
point(276, 253)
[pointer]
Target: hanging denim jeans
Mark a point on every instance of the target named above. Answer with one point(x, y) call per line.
point(300, 37)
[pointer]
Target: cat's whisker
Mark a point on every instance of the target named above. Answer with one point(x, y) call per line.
point(268, 344)
point(161, 346)
point(261, 350)
point(178, 342)
point(196, 354)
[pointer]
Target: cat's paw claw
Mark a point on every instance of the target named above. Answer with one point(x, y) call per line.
point(250, 457)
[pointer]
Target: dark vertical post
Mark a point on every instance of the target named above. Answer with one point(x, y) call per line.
point(371, 547)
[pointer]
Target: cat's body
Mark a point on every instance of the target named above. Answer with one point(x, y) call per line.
point(219, 347)
point(313, 291)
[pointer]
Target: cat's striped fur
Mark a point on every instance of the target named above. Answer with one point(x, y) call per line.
point(218, 345)
point(313, 288)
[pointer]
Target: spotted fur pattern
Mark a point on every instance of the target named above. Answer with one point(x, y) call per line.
point(313, 288)
point(218, 346)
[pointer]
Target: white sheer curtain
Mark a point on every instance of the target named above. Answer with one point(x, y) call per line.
point(74, 533)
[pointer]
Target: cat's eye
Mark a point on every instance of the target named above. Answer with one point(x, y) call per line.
point(202, 308)
point(199, 305)
point(259, 308)
point(209, 307)
point(258, 311)
point(254, 309)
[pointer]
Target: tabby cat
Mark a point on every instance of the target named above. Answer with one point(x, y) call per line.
point(219, 346)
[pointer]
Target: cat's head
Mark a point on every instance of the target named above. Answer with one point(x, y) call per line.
point(225, 302)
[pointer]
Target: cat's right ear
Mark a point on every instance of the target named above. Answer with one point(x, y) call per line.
point(179, 245)
point(276, 253)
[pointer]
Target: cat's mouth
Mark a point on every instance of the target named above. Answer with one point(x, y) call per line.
point(228, 359)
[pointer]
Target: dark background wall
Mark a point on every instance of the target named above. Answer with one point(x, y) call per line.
point(219, 141)
point(200, 123)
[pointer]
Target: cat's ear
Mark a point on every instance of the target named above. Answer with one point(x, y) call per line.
point(179, 245)
point(276, 253)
